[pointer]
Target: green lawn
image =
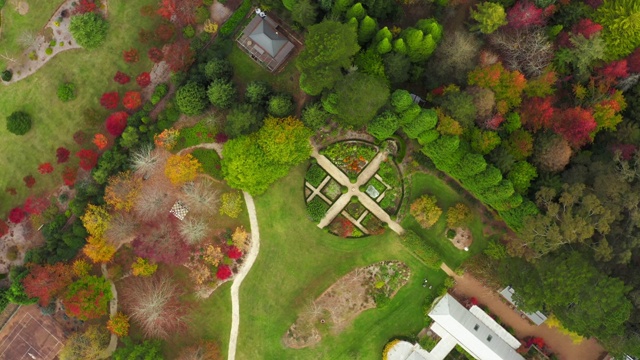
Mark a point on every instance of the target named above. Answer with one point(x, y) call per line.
point(55, 122)
point(298, 261)
point(429, 184)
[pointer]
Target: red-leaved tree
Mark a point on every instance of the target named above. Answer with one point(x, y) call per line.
point(88, 298)
point(116, 123)
point(162, 242)
point(155, 304)
point(224, 272)
point(575, 125)
point(121, 78)
point(144, 79)
point(221, 138)
point(79, 137)
point(46, 282)
point(131, 101)
point(179, 55)
point(164, 32)
point(100, 141)
point(182, 12)
point(525, 14)
point(633, 61)
point(614, 70)
point(131, 55)
point(234, 253)
point(35, 206)
point(16, 215)
point(537, 113)
point(69, 175)
point(84, 6)
point(88, 159)
point(45, 168)
point(155, 55)
point(62, 154)
point(587, 28)
point(29, 181)
point(110, 100)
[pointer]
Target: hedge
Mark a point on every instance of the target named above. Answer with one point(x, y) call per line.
point(315, 175)
point(428, 254)
point(317, 208)
point(230, 26)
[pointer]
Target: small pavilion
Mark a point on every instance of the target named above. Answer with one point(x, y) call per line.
point(266, 42)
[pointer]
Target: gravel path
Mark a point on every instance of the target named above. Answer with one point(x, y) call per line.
point(113, 308)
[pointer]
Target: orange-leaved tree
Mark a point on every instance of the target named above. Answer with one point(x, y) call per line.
point(47, 281)
point(98, 250)
point(182, 168)
point(96, 220)
point(122, 191)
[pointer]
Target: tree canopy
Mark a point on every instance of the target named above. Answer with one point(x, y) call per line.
point(357, 98)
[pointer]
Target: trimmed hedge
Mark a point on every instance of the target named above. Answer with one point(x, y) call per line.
point(230, 26)
point(315, 175)
point(317, 208)
point(159, 92)
point(428, 254)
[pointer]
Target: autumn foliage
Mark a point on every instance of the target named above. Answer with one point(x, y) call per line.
point(69, 175)
point(182, 168)
point(116, 123)
point(87, 298)
point(16, 215)
point(507, 85)
point(121, 78)
point(131, 55)
point(164, 32)
point(575, 125)
point(98, 250)
point(234, 253)
point(131, 100)
point(45, 282)
point(224, 272)
point(35, 206)
point(110, 100)
point(155, 55)
point(84, 6)
point(144, 79)
point(29, 181)
point(179, 55)
point(122, 191)
point(119, 324)
point(143, 267)
point(88, 159)
point(45, 168)
point(62, 154)
point(100, 141)
point(524, 14)
point(4, 228)
point(537, 113)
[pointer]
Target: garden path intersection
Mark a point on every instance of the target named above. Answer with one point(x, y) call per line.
point(354, 190)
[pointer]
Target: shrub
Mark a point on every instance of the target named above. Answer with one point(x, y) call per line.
point(132, 100)
point(231, 204)
point(257, 92)
point(155, 55)
point(89, 30)
point(7, 75)
point(314, 116)
point(281, 105)
point(144, 79)
point(188, 32)
point(110, 100)
point(218, 69)
point(45, 168)
point(317, 208)
point(48, 51)
point(62, 154)
point(224, 272)
point(428, 254)
point(16, 215)
point(119, 324)
point(191, 98)
point(29, 181)
point(116, 123)
point(315, 175)
point(131, 55)
point(18, 123)
point(383, 125)
point(222, 93)
point(121, 78)
point(159, 92)
point(230, 26)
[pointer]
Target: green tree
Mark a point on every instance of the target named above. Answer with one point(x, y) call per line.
point(620, 20)
point(426, 211)
point(430, 26)
point(147, 350)
point(419, 45)
point(222, 94)
point(129, 137)
point(257, 92)
point(314, 116)
point(490, 16)
point(370, 62)
point(521, 175)
point(87, 345)
point(280, 105)
point(400, 47)
point(358, 98)
point(218, 69)
point(329, 47)
point(383, 125)
point(305, 12)
point(66, 92)
point(383, 33)
point(18, 123)
point(384, 46)
point(424, 121)
point(89, 29)
point(285, 140)
point(356, 11)
point(460, 106)
point(88, 297)
point(367, 29)
point(401, 101)
point(243, 119)
point(191, 98)
point(483, 141)
point(396, 66)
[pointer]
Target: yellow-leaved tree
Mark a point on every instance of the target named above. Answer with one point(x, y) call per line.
point(426, 211)
point(96, 220)
point(182, 168)
point(142, 267)
point(122, 191)
point(98, 250)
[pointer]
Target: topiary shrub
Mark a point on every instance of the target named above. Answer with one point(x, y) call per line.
point(89, 30)
point(280, 105)
point(159, 92)
point(191, 98)
point(7, 75)
point(19, 123)
point(66, 92)
point(222, 94)
point(189, 32)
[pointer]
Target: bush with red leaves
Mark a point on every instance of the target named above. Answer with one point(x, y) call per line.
point(11, 191)
point(84, 6)
point(16, 215)
point(234, 253)
point(221, 138)
point(224, 272)
point(144, 79)
point(116, 123)
point(62, 154)
point(35, 205)
point(633, 61)
point(29, 181)
point(69, 175)
point(110, 100)
point(164, 32)
point(88, 159)
point(4, 228)
point(614, 70)
point(121, 78)
point(79, 137)
point(575, 125)
point(131, 55)
point(525, 14)
point(45, 168)
point(155, 55)
point(179, 55)
point(131, 101)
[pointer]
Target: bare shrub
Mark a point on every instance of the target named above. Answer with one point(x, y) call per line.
point(201, 196)
point(122, 229)
point(526, 50)
point(146, 160)
point(454, 57)
point(153, 202)
point(205, 350)
point(194, 230)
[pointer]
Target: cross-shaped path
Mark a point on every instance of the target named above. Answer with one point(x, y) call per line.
point(354, 190)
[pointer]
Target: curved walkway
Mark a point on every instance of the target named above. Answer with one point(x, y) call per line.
point(113, 308)
point(237, 281)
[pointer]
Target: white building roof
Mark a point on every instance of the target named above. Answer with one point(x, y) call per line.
point(474, 335)
point(537, 317)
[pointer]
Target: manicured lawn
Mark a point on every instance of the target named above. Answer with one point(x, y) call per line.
point(247, 70)
point(54, 122)
point(298, 261)
point(428, 184)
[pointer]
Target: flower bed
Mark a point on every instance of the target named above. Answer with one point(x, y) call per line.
point(317, 208)
point(332, 190)
point(350, 156)
point(315, 174)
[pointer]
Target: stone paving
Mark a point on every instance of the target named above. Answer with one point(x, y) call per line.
point(354, 190)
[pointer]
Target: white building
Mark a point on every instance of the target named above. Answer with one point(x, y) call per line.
point(474, 330)
point(536, 317)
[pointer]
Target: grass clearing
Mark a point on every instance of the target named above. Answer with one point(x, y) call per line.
point(54, 122)
point(421, 184)
point(273, 293)
point(246, 70)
